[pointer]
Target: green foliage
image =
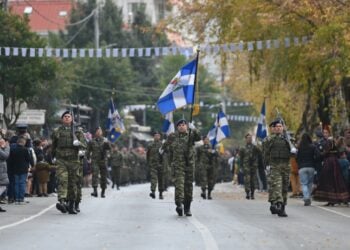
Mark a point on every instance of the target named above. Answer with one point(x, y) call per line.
point(22, 78)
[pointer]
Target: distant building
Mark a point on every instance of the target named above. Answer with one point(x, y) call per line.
point(154, 9)
point(44, 15)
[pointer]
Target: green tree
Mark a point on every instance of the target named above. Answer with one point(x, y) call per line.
point(21, 77)
point(310, 74)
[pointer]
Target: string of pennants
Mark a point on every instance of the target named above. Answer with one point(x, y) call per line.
point(239, 118)
point(154, 51)
point(131, 108)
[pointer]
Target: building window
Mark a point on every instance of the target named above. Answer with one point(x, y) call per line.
point(28, 10)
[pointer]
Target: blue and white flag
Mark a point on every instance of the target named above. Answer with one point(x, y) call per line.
point(168, 124)
point(180, 90)
point(261, 132)
point(115, 124)
point(220, 130)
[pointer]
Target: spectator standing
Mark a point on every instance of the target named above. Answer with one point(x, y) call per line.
point(20, 161)
point(4, 154)
point(331, 188)
point(307, 158)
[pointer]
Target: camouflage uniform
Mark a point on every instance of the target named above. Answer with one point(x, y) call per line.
point(155, 163)
point(249, 159)
point(68, 164)
point(207, 166)
point(277, 155)
point(116, 163)
point(97, 151)
point(180, 146)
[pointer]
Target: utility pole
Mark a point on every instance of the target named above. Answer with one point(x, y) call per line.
point(97, 27)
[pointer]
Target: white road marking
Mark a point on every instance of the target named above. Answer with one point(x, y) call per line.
point(27, 219)
point(335, 212)
point(209, 241)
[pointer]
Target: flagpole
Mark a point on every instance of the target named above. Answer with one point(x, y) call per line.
point(195, 83)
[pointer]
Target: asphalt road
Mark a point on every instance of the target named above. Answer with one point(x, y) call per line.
point(130, 219)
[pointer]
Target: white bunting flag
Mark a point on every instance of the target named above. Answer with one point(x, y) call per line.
point(91, 53)
point(287, 42)
point(108, 52)
point(99, 53)
point(259, 45)
point(156, 51)
point(124, 52)
point(24, 52)
point(250, 46)
point(276, 44)
point(115, 52)
point(58, 52)
point(32, 52)
point(148, 52)
point(81, 52)
point(15, 52)
point(268, 44)
point(140, 52)
point(7, 51)
point(165, 51)
point(40, 52)
point(74, 53)
point(65, 53)
point(132, 52)
point(48, 52)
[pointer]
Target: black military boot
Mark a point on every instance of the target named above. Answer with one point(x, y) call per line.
point(282, 212)
point(209, 195)
point(187, 208)
point(152, 195)
point(273, 209)
point(247, 195)
point(204, 196)
point(112, 185)
point(103, 193)
point(71, 209)
point(94, 193)
point(118, 187)
point(252, 195)
point(161, 196)
point(179, 208)
point(76, 206)
point(61, 206)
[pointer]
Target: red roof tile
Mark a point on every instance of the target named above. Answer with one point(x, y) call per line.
point(45, 15)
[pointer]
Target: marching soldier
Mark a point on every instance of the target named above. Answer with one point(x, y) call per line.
point(277, 153)
point(155, 163)
point(65, 148)
point(97, 154)
point(249, 159)
point(207, 157)
point(116, 163)
point(181, 146)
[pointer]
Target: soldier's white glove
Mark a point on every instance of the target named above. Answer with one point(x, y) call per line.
point(293, 150)
point(163, 141)
point(81, 153)
point(105, 139)
point(191, 125)
point(161, 151)
point(76, 143)
point(53, 160)
point(213, 151)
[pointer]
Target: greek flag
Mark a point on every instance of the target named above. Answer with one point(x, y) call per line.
point(261, 132)
point(179, 91)
point(115, 124)
point(220, 130)
point(168, 124)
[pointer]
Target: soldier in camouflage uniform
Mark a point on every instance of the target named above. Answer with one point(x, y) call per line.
point(65, 147)
point(155, 164)
point(116, 163)
point(207, 164)
point(277, 153)
point(181, 146)
point(249, 160)
point(97, 153)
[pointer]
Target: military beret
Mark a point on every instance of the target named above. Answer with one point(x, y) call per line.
point(156, 132)
point(273, 124)
point(65, 112)
point(181, 121)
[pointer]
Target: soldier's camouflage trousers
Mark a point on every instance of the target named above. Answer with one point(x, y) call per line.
point(249, 178)
point(156, 173)
point(278, 181)
point(183, 184)
point(116, 175)
point(207, 178)
point(80, 181)
point(99, 174)
point(67, 177)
